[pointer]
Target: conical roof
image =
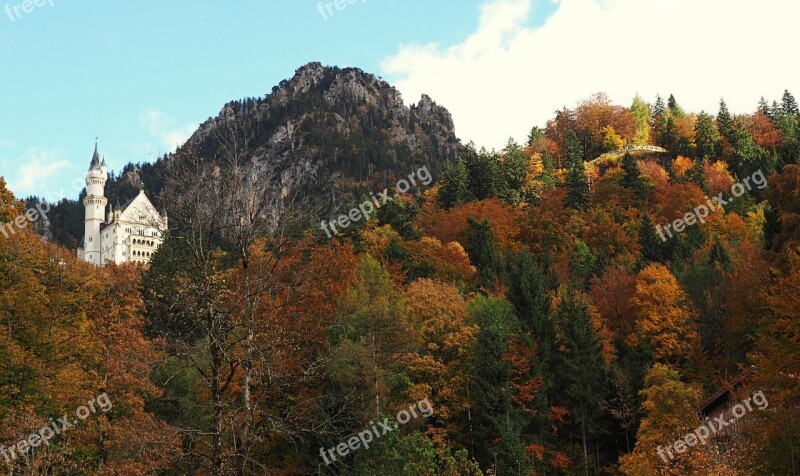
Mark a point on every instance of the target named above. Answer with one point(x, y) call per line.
point(95, 159)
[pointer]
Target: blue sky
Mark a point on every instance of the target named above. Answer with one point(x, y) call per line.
point(142, 75)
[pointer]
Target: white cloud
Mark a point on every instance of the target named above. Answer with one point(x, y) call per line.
point(163, 128)
point(507, 77)
point(5, 142)
point(40, 168)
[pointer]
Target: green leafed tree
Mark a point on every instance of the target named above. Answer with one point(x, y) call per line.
point(374, 333)
point(535, 134)
point(632, 180)
point(400, 215)
point(653, 246)
point(724, 119)
point(483, 251)
point(573, 149)
point(483, 170)
point(789, 104)
point(578, 192)
point(674, 108)
point(707, 138)
point(548, 176)
point(640, 111)
point(583, 373)
point(454, 188)
point(497, 424)
point(513, 171)
point(658, 107)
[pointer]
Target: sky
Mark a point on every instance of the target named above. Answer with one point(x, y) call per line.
point(141, 76)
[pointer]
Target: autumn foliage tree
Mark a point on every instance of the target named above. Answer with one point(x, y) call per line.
point(665, 316)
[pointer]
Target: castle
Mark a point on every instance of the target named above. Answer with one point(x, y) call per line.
point(129, 233)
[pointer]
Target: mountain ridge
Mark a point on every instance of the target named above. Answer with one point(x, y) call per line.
point(340, 132)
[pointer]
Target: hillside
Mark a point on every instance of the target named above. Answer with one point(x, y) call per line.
point(335, 133)
point(578, 304)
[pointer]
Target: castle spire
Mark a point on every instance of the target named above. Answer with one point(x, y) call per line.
point(95, 158)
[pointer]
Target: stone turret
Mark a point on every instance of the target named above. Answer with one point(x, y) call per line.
point(94, 205)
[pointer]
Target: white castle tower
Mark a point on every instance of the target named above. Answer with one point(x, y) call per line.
point(129, 233)
point(95, 206)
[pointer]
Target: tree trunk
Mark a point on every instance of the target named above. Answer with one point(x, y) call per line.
point(216, 397)
point(247, 370)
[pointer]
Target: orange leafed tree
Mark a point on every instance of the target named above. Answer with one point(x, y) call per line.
point(452, 225)
point(612, 294)
point(665, 316)
point(764, 132)
point(776, 371)
point(439, 314)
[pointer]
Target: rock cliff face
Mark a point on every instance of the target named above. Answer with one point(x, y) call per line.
point(343, 131)
point(327, 135)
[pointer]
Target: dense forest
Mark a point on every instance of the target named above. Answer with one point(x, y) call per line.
point(558, 307)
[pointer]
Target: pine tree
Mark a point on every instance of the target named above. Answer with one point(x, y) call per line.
point(720, 255)
point(763, 106)
point(724, 120)
point(578, 192)
point(697, 175)
point(528, 293)
point(581, 367)
point(497, 422)
point(573, 150)
point(535, 134)
point(454, 188)
point(707, 139)
point(789, 104)
point(674, 108)
point(513, 171)
point(400, 216)
point(633, 178)
point(776, 111)
point(483, 171)
point(483, 252)
point(667, 134)
point(658, 107)
point(651, 243)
